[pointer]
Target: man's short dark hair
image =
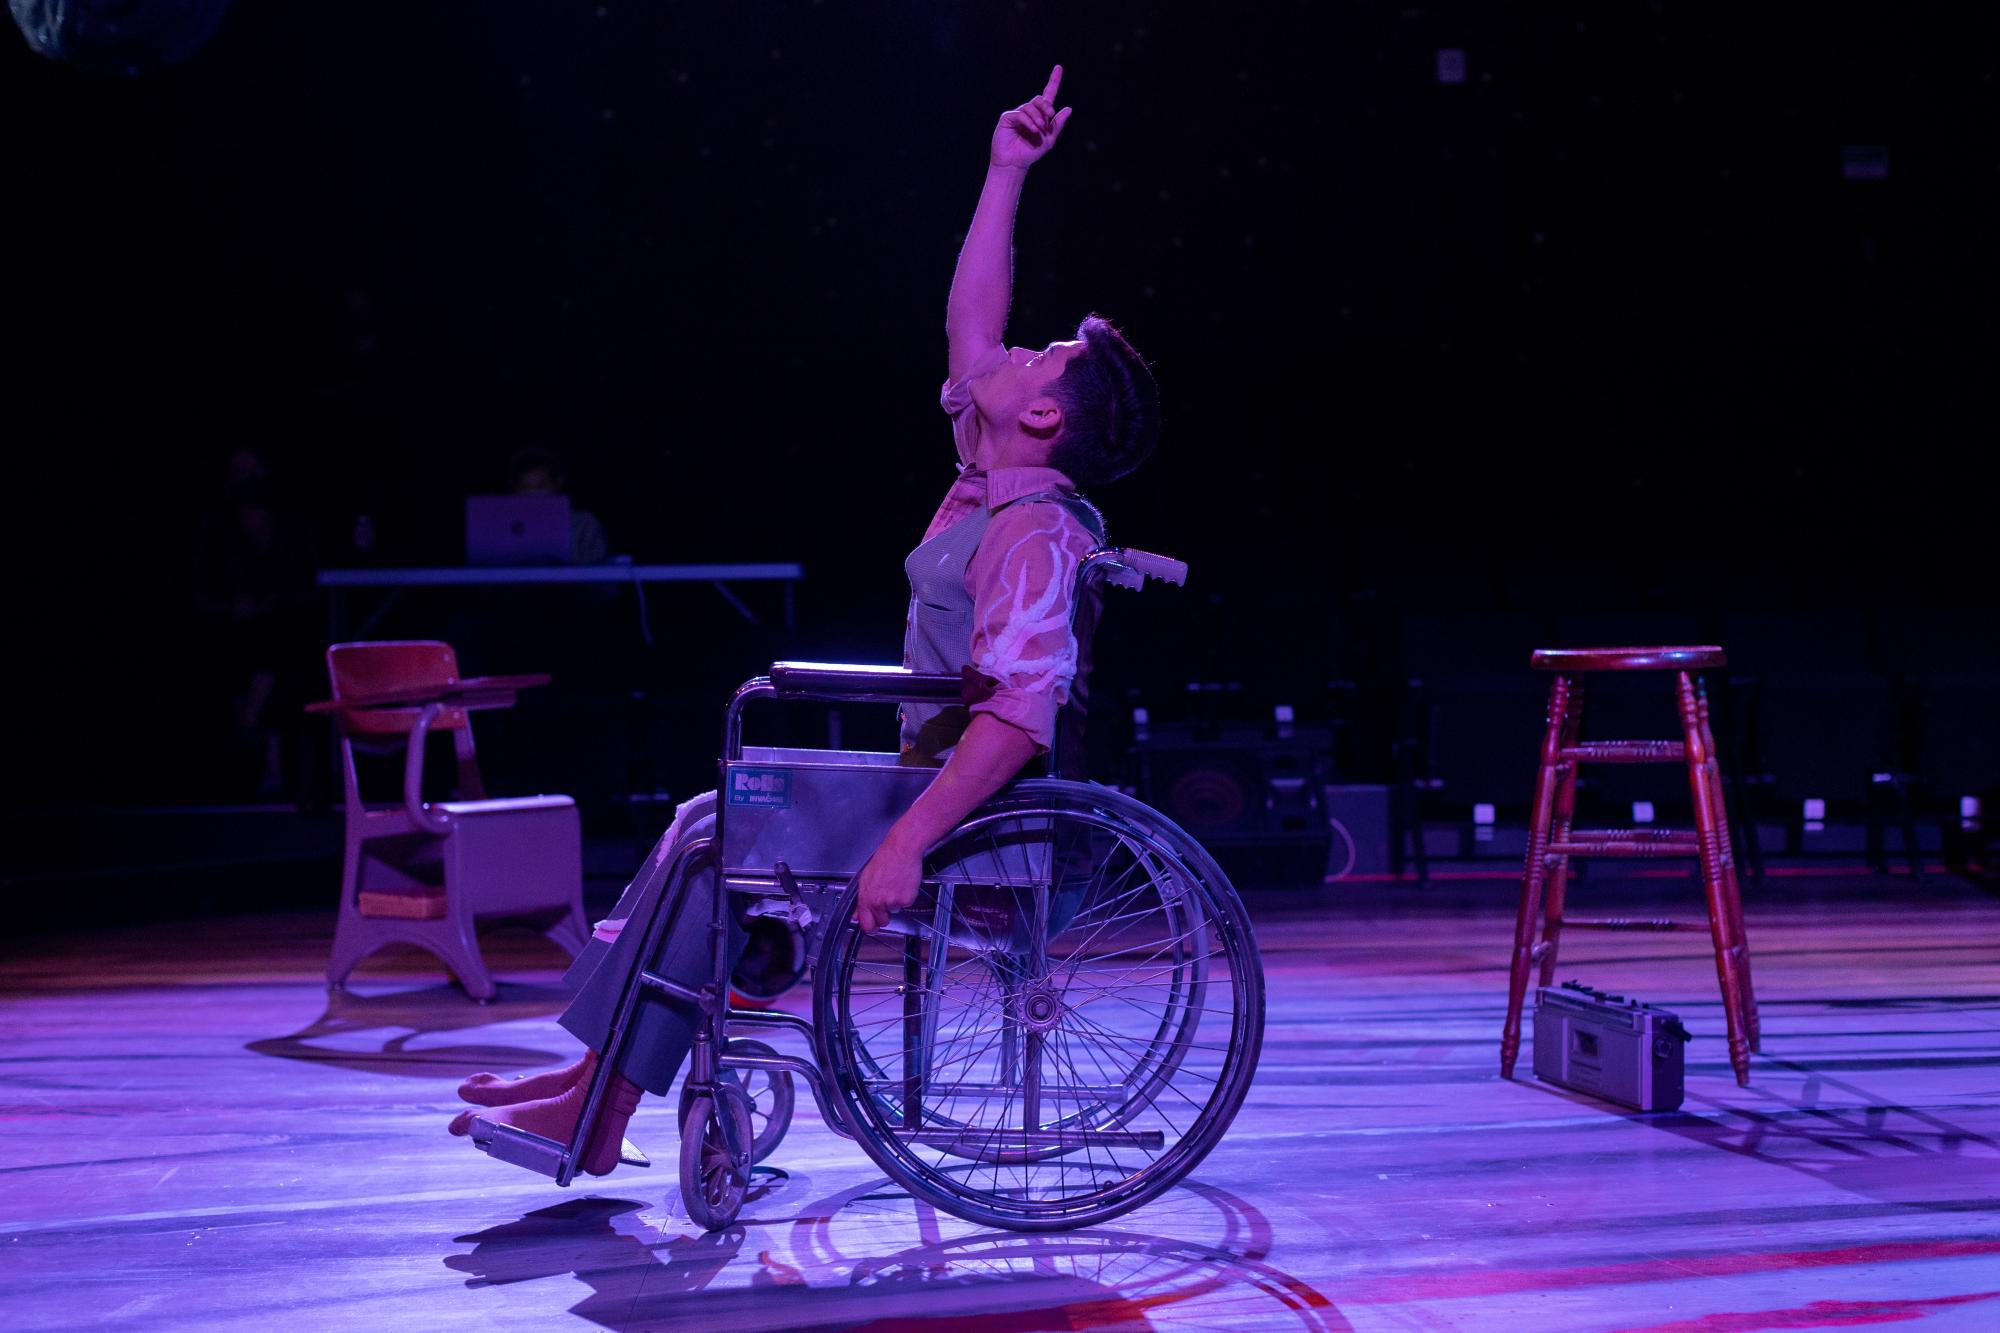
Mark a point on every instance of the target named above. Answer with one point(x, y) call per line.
point(1111, 408)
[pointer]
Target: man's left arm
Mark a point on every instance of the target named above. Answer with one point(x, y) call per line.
point(1025, 579)
point(986, 757)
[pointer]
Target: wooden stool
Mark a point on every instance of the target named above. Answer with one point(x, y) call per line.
point(1552, 842)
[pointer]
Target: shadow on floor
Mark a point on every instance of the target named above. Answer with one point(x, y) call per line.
point(641, 1276)
point(407, 1019)
point(1852, 1137)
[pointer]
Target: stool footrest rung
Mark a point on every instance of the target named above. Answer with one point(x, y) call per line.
point(1628, 842)
point(1626, 752)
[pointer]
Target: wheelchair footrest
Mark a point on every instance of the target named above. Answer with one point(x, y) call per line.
point(1035, 1140)
point(520, 1148)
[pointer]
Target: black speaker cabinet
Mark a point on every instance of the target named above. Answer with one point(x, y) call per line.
point(1360, 818)
point(1256, 802)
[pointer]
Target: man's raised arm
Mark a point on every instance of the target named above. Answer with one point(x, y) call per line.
point(975, 318)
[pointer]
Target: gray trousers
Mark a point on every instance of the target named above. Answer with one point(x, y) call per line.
point(662, 1029)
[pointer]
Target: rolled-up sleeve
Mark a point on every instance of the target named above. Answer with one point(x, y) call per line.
point(1023, 583)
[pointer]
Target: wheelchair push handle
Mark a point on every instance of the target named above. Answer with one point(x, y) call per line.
point(1130, 567)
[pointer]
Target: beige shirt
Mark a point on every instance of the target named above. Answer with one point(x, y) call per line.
point(1022, 580)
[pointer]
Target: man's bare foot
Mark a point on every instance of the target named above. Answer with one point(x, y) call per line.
point(492, 1090)
point(555, 1118)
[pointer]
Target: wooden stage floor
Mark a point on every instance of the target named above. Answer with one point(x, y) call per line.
point(193, 1139)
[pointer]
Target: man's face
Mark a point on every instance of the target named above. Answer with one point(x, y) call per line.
point(1026, 376)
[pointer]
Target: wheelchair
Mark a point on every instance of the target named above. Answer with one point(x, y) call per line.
point(1060, 1027)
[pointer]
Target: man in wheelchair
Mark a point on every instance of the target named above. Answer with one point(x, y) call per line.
point(993, 586)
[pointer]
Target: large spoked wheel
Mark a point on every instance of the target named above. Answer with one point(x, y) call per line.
point(715, 1160)
point(1062, 1025)
point(769, 1097)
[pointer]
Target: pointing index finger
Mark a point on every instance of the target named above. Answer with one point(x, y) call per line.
point(1055, 82)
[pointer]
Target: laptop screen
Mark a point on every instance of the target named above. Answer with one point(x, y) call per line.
point(517, 530)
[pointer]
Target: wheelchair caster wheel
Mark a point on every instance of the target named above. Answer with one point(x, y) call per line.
point(768, 1095)
point(715, 1157)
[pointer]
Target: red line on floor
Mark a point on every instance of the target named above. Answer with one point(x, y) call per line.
point(1446, 1286)
point(1820, 1314)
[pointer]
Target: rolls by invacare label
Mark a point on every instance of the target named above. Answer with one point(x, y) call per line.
point(767, 787)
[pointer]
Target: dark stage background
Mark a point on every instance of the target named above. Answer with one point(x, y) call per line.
point(1617, 338)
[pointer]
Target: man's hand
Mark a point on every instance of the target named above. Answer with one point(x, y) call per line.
point(975, 316)
point(888, 884)
point(986, 756)
point(1030, 129)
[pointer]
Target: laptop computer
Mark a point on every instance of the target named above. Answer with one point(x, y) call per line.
point(517, 530)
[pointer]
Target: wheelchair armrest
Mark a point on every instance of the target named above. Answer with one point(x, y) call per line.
point(1129, 567)
point(865, 684)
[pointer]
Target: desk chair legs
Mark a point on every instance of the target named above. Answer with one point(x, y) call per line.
point(454, 940)
point(571, 933)
point(459, 953)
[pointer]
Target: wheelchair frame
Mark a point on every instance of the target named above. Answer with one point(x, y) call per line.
point(810, 887)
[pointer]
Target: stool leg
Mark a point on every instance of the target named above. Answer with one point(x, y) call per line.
point(1703, 781)
point(1565, 817)
point(1536, 873)
point(1732, 887)
point(1734, 797)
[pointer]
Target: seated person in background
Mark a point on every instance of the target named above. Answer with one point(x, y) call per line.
point(992, 586)
point(539, 471)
